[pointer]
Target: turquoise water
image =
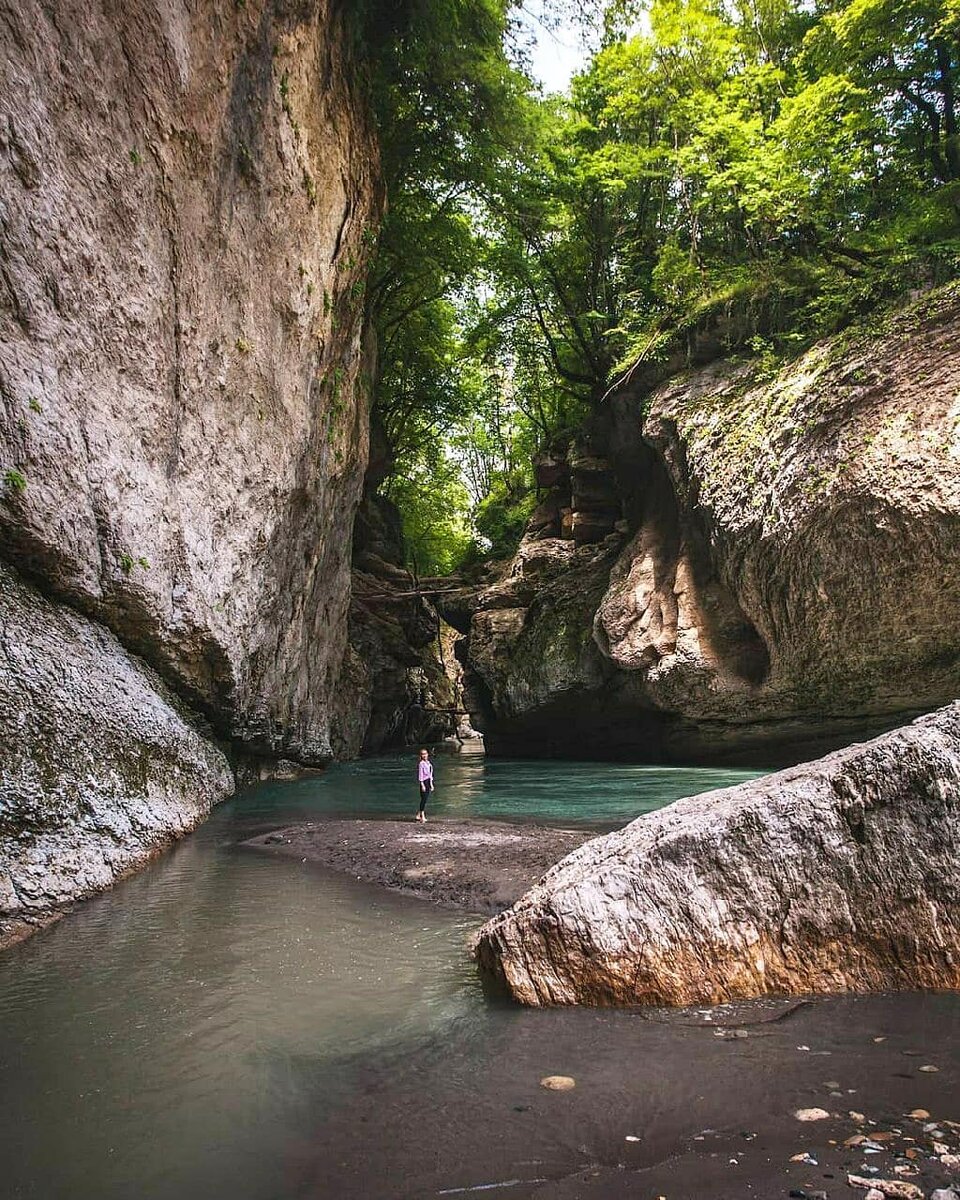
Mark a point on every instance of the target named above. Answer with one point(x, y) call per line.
point(470, 785)
point(213, 1026)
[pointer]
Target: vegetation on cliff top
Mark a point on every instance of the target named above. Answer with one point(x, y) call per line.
point(766, 170)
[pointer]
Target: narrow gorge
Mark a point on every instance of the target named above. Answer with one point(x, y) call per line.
point(479, 532)
point(730, 556)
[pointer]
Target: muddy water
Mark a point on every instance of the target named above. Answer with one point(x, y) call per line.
point(236, 1026)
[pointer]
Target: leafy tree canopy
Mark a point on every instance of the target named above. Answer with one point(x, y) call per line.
point(763, 169)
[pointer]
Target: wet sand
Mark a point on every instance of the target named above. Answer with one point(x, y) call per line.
point(681, 1104)
point(671, 1105)
point(480, 866)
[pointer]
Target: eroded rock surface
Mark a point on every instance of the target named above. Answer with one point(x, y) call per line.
point(190, 199)
point(101, 765)
point(781, 576)
point(837, 875)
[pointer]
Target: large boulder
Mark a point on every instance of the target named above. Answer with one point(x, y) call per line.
point(102, 766)
point(837, 875)
point(787, 580)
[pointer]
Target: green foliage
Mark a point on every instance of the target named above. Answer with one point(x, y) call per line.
point(128, 562)
point(433, 503)
point(787, 165)
point(502, 515)
point(762, 172)
point(15, 480)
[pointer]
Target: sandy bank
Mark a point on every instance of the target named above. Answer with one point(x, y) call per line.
point(482, 866)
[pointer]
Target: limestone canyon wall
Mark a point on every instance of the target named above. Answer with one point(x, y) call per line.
point(189, 197)
point(739, 564)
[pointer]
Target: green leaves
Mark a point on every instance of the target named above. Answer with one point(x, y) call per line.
point(758, 171)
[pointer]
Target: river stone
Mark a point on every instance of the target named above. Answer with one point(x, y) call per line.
point(837, 875)
point(558, 1083)
point(891, 1189)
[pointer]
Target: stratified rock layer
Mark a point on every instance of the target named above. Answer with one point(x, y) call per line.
point(101, 765)
point(782, 580)
point(837, 875)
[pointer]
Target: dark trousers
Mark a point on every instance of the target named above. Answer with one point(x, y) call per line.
point(425, 789)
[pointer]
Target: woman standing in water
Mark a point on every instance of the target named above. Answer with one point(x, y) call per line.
point(425, 779)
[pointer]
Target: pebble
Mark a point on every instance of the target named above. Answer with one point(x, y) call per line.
point(873, 1194)
point(897, 1189)
point(929, 1069)
point(558, 1083)
point(832, 1085)
point(631, 1137)
point(806, 1158)
point(812, 1114)
point(945, 1194)
point(919, 1114)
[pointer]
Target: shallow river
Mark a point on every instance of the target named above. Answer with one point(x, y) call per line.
point(230, 1024)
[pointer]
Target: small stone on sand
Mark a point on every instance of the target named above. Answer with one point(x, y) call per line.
point(812, 1114)
point(897, 1189)
point(558, 1083)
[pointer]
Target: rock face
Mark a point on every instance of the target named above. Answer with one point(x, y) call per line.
point(400, 682)
point(782, 574)
point(190, 196)
point(837, 875)
point(101, 765)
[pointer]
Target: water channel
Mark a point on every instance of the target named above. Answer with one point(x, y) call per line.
point(228, 1024)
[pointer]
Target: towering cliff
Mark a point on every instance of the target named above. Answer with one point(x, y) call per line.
point(189, 198)
point(740, 563)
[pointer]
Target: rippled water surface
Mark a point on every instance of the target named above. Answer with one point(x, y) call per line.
point(192, 1032)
